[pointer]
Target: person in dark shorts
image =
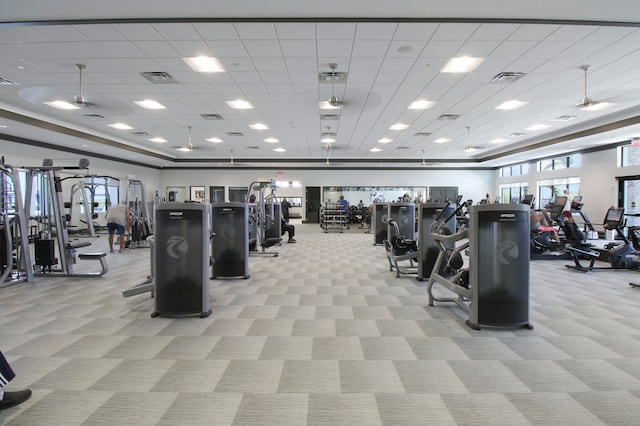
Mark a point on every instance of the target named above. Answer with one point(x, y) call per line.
point(118, 219)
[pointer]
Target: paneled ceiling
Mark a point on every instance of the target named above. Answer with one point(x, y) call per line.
point(279, 60)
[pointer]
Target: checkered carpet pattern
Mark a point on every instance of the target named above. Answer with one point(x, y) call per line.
point(322, 334)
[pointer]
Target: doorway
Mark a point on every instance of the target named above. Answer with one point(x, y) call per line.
point(312, 202)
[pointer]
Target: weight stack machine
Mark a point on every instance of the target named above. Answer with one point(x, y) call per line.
point(230, 241)
point(182, 259)
point(427, 248)
point(499, 265)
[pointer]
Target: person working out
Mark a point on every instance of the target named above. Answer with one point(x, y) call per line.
point(118, 219)
point(289, 229)
point(539, 222)
point(285, 206)
point(10, 399)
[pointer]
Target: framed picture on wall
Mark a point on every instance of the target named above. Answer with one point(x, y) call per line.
point(197, 193)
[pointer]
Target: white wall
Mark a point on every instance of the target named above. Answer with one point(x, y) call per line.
point(472, 184)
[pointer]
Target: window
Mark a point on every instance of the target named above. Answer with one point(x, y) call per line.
point(549, 189)
point(513, 192)
point(628, 156)
point(559, 163)
point(517, 170)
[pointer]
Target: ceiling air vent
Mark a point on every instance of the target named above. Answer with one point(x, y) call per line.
point(159, 77)
point(448, 117)
point(403, 147)
point(253, 147)
point(330, 77)
point(5, 82)
point(234, 134)
point(94, 117)
point(517, 134)
point(423, 134)
point(329, 116)
point(211, 116)
point(140, 133)
point(564, 118)
point(506, 77)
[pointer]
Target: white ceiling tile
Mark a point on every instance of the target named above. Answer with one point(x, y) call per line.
point(415, 31)
point(301, 64)
point(441, 49)
point(547, 49)
point(236, 64)
point(533, 32)
point(370, 48)
point(62, 33)
point(375, 30)
point(137, 32)
point(227, 48)
point(478, 48)
point(335, 30)
point(571, 33)
point(86, 49)
point(216, 30)
point(121, 49)
point(256, 30)
point(335, 48)
point(176, 31)
point(298, 48)
point(269, 64)
point(263, 48)
point(190, 48)
point(513, 48)
point(295, 30)
point(155, 48)
point(450, 31)
point(406, 48)
point(498, 31)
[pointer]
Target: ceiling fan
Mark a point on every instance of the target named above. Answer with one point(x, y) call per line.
point(586, 101)
point(79, 99)
point(189, 146)
point(469, 147)
point(333, 100)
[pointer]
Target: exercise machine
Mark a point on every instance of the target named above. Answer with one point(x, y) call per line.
point(15, 254)
point(379, 222)
point(230, 240)
point(429, 213)
point(141, 223)
point(621, 255)
point(52, 245)
point(182, 259)
point(494, 288)
point(400, 248)
point(265, 224)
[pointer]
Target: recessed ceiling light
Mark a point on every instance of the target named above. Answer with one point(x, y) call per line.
point(240, 104)
point(157, 140)
point(399, 126)
point(470, 148)
point(3, 126)
point(385, 140)
point(120, 126)
point(258, 126)
point(279, 149)
point(498, 140)
point(214, 140)
point(328, 139)
point(61, 105)
point(184, 149)
point(442, 140)
point(149, 104)
point(538, 127)
point(462, 64)
point(204, 64)
point(271, 140)
point(511, 105)
point(375, 149)
point(421, 104)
